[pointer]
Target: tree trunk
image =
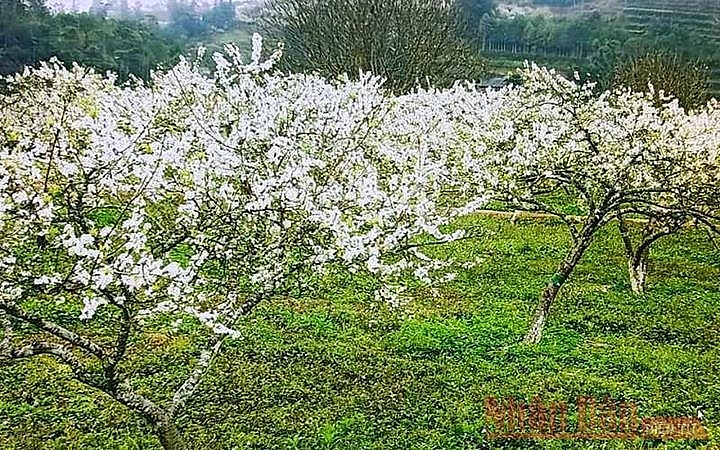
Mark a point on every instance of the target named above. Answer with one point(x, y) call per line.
point(548, 295)
point(637, 268)
point(162, 421)
point(547, 298)
point(169, 436)
point(638, 254)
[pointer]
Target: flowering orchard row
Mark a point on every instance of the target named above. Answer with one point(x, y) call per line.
point(200, 195)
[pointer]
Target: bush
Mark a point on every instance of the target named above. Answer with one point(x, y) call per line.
point(685, 79)
point(405, 41)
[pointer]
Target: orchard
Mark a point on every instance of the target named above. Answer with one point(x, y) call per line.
point(189, 201)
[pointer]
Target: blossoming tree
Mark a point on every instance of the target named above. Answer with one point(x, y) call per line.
point(194, 199)
point(690, 195)
point(554, 146)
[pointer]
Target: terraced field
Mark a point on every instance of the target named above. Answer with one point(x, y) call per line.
point(699, 20)
point(698, 15)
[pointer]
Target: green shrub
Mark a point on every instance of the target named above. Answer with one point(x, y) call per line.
point(405, 41)
point(685, 79)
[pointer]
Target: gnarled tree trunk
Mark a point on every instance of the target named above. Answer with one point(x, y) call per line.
point(162, 421)
point(636, 259)
point(637, 253)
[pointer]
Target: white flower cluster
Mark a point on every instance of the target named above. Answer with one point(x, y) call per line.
point(176, 196)
point(554, 142)
point(198, 192)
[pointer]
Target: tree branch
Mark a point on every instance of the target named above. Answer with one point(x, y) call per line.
point(185, 391)
point(54, 329)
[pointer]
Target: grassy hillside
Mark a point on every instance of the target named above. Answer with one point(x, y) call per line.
point(341, 371)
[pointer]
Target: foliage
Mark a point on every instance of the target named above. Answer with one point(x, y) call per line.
point(475, 14)
point(221, 16)
point(404, 41)
point(185, 20)
point(195, 199)
point(123, 47)
point(667, 73)
point(195, 28)
point(29, 34)
point(595, 43)
point(23, 34)
point(577, 34)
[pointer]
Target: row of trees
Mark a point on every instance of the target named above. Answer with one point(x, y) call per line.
point(591, 29)
point(197, 197)
point(406, 41)
point(542, 31)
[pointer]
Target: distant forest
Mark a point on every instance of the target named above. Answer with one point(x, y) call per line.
point(589, 42)
point(124, 45)
point(594, 41)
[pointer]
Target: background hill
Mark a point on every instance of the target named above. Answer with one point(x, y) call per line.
point(579, 34)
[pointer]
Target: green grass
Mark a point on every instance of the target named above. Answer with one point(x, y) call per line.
point(240, 36)
point(340, 371)
point(502, 64)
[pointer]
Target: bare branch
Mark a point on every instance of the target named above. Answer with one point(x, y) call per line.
point(54, 329)
point(41, 347)
point(185, 391)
